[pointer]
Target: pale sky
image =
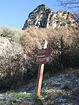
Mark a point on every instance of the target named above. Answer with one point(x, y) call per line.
point(13, 13)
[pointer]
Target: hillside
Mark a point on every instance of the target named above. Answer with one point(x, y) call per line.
point(61, 89)
point(18, 53)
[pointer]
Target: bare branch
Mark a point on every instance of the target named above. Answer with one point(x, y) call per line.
point(69, 3)
point(73, 7)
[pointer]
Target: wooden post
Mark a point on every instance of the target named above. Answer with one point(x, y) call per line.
point(40, 73)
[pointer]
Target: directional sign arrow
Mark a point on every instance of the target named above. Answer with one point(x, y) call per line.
point(44, 51)
point(44, 60)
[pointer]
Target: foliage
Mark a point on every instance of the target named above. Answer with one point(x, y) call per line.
point(69, 4)
point(37, 101)
point(11, 71)
point(64, 42)
point(76, 73)
point(13, 34)
point(72, 5)
point(20, 95)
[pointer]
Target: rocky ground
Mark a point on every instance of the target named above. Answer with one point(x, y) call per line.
point(62, 89)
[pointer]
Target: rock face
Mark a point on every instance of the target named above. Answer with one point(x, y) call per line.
point(43, 17)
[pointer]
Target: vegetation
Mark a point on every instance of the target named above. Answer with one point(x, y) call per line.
point(37, 101)
point(63, 89)
point(65, 44)
point(20, 95)
point(13, 34)
point(12, 72)
point(12, 62)
point(71, 5)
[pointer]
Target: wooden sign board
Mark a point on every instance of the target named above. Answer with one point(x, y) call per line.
point(41, 60)
point(44, 60)
point(44, 52)
point(50, 60)
point(41, 56)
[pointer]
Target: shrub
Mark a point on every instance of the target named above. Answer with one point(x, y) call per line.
point(11, 71)
point(13, 34)
point(62, 42)
point(65, 44)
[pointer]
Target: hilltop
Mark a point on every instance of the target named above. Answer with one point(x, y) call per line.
point(44, 17)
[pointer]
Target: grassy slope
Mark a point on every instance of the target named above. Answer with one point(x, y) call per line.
point(57, 90)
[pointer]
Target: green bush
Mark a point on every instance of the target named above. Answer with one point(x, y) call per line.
point(14, 34)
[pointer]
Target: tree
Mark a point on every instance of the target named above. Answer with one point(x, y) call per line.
point(69, 3)
point(72, 5)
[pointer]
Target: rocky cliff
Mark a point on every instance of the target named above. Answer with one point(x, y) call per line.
point(43, 17)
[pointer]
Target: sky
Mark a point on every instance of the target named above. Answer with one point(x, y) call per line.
point(13, 13)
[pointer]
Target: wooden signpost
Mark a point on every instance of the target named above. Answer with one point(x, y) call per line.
point(42, 58)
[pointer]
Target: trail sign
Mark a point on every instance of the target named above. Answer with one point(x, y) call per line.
point(44, 51)
point(42, 58)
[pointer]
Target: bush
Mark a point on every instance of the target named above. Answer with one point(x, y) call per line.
point(12, 71)
point(13, 34)
point(63, 43)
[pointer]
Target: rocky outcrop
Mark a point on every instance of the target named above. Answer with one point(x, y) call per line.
point(43, 17)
